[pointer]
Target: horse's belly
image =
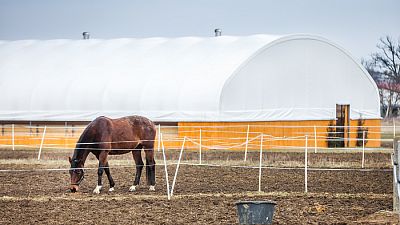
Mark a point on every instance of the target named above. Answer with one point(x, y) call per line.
point(119, 152)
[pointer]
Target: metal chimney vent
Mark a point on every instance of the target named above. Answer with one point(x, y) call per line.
point(86, 35)
point(218, 32)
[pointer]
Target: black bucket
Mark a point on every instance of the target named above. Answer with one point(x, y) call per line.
point(255, 212)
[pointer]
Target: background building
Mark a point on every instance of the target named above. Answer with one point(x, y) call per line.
point(275, 84)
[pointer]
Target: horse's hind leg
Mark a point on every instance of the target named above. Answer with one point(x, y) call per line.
point(150, 165)
point(137, 156)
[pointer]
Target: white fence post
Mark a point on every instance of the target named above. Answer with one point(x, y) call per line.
point(394, 128)
point(200, 148)
point(396, 170)
point(65, 134)
point(177, 167)
point(165, 167)
point(306, 166)
point(315, 139)
point(397, 176)
point(41, 143)
point(65, 129)
point(363, 150)
point(12, 138)
point(260, 166)
point(159, 138)
point(247, 142)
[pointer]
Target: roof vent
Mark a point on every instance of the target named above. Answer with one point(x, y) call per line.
point(218, 32)
point(86, 35)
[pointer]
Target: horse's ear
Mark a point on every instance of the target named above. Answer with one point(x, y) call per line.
point(70, 160)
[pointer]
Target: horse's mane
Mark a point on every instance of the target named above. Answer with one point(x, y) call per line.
point(82, 145)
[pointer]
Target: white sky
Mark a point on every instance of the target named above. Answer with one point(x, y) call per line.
point(356, 25)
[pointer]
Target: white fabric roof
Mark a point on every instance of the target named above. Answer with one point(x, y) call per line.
point(252, 78)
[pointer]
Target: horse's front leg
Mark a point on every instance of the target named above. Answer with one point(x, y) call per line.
point(110, 179)
point(103, 164)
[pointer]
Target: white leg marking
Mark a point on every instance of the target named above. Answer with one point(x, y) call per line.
point(111, 189)
point(97, 189)
point(132, 188)
point(152, 188)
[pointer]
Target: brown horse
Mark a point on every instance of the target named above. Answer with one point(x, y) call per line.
point(105, 136)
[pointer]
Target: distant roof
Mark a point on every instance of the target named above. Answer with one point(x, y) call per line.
point(389, 86)
point(251, 78)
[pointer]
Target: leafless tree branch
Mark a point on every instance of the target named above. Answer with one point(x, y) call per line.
point(386, 62)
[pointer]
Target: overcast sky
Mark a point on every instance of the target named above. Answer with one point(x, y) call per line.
point(356, 25)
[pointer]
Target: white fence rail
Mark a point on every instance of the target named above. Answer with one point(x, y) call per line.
point(245, 140)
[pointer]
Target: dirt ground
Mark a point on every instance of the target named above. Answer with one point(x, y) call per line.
point(30, 193)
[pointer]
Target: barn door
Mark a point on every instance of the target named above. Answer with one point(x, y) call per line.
point(342, 125)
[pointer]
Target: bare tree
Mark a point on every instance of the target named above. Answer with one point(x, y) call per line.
point(386, 63)
point(369, 65)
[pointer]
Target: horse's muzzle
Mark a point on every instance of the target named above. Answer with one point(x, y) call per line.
point(74, 188)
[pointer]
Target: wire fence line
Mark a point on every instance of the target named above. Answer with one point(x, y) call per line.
point(214, 137)
point(197, 164)
point(77, 127)
point(200, 142)
point(319, 138)
point(7, 128)
point(225, 143)
point(200, 145)
point(222, 145)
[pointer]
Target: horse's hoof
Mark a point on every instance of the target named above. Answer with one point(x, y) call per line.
point(111, 189)
point(132, 188)
point(152, 188)
point(97, 189)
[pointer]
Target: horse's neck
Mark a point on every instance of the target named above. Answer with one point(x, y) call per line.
point(81, 152)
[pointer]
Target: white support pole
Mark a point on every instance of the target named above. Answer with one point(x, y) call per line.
point(159, 138)
point(165, 167)
point(315, 139)
point(200, 148)
point(394, 128)
point(65, 129)
point(177, 167)
point(306, 166)
point(363, 150)
point(260, 166)
point(396, 190)
point(65, 134)
point(41, 143)
point(13, 137)
point(398, 173)
point(247, 142)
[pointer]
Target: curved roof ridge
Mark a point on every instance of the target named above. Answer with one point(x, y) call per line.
point(289, 37)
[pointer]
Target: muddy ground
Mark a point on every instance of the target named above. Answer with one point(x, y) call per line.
point(30, 193)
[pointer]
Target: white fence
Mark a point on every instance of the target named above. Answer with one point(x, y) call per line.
point(244, 141)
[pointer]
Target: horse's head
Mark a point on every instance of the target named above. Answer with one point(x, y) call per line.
point(77, 174)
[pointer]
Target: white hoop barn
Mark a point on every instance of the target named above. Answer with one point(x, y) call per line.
point(260, 80)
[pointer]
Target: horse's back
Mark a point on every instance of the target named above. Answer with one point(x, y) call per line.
point(128, 133)
point(143, 126)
